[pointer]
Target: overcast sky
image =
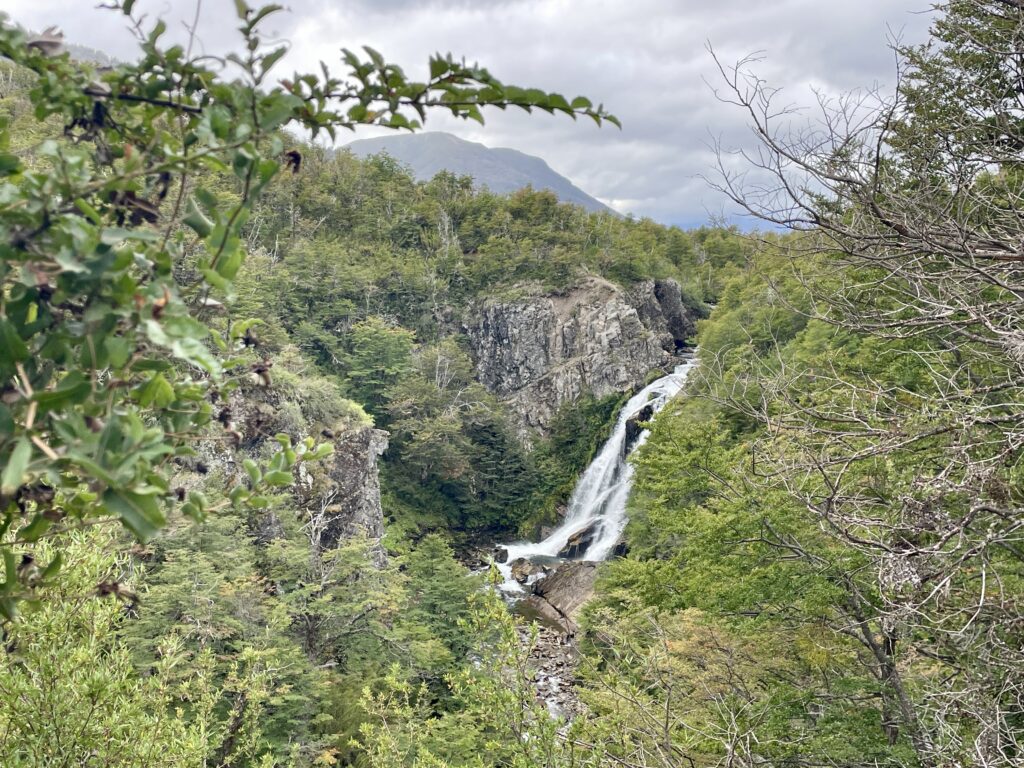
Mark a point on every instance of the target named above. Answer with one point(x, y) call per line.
point(644, 59)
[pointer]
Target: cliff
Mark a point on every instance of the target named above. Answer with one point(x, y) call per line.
point(539, 352)
point(349, 494)
point(339, 495)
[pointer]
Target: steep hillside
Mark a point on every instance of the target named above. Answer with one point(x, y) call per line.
point(499, 169)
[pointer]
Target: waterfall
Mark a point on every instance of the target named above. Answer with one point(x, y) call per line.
point(597, 506)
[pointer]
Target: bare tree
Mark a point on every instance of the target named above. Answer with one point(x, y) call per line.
point(911, 209)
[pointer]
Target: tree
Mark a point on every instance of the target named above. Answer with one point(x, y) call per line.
point(119, 244)
point(910, 457)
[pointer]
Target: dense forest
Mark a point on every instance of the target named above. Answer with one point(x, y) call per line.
point(253, 460)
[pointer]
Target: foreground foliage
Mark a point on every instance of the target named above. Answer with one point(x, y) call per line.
point(118, 247)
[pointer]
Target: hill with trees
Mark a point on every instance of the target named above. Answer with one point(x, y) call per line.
point(260, 401)
point(499, 169)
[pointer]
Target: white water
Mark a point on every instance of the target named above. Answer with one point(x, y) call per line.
point(600, 496)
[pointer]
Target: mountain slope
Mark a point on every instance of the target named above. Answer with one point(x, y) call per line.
point(500, 170)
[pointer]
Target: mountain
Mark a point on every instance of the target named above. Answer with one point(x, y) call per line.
point(499, 169)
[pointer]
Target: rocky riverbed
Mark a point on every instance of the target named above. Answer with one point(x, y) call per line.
point(552, 599)
point(554, 658)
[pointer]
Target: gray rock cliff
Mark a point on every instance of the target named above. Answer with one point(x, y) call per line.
point(539, 352)
point(351, 495)
point(341, 492)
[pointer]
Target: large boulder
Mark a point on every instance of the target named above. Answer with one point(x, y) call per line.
point(633, 428)
point(560, 596)
point(522, 569)
point(578, 544)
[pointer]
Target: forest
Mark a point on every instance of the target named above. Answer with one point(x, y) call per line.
point(253, 461)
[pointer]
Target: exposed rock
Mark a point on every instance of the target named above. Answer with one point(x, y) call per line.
point(553, 660)
point(559, 597)
point(540, 610)
point(633, 428)
point(523, 569)
point(539, 352)
point(659, 304)
point(352, 494)
point(579, 542)
point(500, 555)
point(269, 528)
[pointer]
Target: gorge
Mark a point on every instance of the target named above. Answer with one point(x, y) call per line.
point(596, 514)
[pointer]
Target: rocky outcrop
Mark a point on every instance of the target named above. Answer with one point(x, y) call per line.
point(579, 542)
point(340, 494)
point(539, 352)
point(351, 496)
point(660, 307)
point(633, 428)
point(523, 569)
point(559, 597)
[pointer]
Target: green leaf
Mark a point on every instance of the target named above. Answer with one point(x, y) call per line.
point(277, 109)
point(31, 532)
point(12, 348)
point(438, 67)
point(141, 514)
point(278, 478)
point(253, 470)
point(229, 264)
point(273, 57)
point(118, 350)
point(10, 569)
point(53, 566)
point(115, 235)
point(9, 165)
point(74, 388)
point(322, 451)
point(265, 11)
point(17, 464)
point(196, 221)
point(157, 392)
point(375, 57)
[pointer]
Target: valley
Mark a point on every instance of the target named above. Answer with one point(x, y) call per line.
point(409, 453)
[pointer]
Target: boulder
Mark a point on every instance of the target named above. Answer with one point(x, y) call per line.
point(560, 596)
point(500, 555)
point(579, 542)
point(523, 569)
point(633, 428)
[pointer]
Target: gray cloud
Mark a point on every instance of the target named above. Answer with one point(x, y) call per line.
point(645, 60)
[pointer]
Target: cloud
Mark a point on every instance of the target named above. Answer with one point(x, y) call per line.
point(645, 60)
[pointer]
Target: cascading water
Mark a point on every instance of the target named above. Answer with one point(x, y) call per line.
point(598, 503)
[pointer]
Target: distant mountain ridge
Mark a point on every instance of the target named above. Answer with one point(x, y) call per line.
point(499, 169)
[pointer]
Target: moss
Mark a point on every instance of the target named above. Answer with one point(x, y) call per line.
point(318, 398)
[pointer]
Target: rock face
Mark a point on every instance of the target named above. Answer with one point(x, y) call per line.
point(559, 597)
point(353, 487)
point(343, 489)
point(542, 351)
point(659, 305)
